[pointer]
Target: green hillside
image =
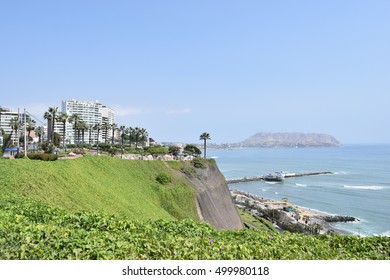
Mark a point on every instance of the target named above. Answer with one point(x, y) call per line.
point(106, 208)
point(101, 184)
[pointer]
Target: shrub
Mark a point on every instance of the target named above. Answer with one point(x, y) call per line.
point(20, 155)
point(189, 171)
point(44, 157)
point(163, 178)
point(156, 150)
point(199, 163)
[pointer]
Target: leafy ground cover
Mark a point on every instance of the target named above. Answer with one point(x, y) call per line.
point(30, 229)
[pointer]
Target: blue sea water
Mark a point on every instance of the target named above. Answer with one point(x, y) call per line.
point(360, 186)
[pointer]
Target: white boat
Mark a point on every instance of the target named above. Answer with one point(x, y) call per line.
point(274, 177)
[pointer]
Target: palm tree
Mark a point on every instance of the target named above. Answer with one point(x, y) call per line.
point(82, 126)
point(30, 126)
point(90, 128)
point(48, 116)
point(53, 111)
point(62, 118)
point(130, 130)
point(114, 128)
point(136, 135)
point(122, 129)
point(143, 136)
point(204, 136)
point(106, 127)
point(74, 118)
point(39, 130)
point(15, 124)
point(98, 128)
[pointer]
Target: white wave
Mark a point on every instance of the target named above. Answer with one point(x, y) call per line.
point(271, 183)
point(386, 233)
point(300, 185)
point(340, 172)
point(276, 193)
point(374, 188)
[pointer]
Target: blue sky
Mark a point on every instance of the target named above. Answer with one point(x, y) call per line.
point(231, 68)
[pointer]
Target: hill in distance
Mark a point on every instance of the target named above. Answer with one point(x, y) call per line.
point(290, 139)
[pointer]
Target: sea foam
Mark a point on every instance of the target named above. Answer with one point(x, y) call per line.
point(374, 188)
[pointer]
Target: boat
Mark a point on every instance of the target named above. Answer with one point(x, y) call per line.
point(274, 177)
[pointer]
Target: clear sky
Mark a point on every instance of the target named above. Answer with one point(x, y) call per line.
point(230, 68)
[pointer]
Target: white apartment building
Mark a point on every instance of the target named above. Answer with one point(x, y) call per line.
point(92, 113)
point(6, 115)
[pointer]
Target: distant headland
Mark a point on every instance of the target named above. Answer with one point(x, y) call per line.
point(291, 139)
point(284, 139)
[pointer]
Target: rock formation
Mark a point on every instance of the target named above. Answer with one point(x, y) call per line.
point(213, 198)
point(265, 139)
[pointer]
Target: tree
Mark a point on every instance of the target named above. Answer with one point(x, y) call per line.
point(53, 111)
point(82, 126)
point(15, 124)
point(90, 128)
point(47, 116)
point(130, 130)
point(143, 136)
point(39, 130)
point(204, 136)
point(192, 150)
point(62, 118)
point(74, 118)
point(6, 140)
point(174, 150)
point(97, 127)
point(113, 128)
point(136, 135)
point(56, 139)
point(30, 127)
point(122, 128)
point(106, 127)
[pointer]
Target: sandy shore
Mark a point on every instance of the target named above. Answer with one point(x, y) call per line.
point(305, 216)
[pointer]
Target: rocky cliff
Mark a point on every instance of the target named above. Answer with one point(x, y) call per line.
point(214, 201)
point(265, 139)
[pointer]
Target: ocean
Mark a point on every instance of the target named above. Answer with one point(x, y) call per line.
point(360, 186)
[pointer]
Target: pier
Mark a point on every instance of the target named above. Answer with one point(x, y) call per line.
point(286, 175)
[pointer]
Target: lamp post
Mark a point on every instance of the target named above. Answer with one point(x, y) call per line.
point(25, 134)
point(1, 109)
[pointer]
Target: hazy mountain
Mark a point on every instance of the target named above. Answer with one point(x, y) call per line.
point(265, 139)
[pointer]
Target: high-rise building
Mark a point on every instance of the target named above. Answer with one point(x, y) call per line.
point(7, 121)
point(91, 113)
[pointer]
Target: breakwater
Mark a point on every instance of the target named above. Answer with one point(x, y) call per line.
point(286, 175)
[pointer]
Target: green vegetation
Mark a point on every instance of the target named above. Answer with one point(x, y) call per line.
point(192, 150)
point(163, 178)
point(204, 136)
point(45, 157)
point(32, 230)
point(199, 163)
point(107, 208)
point(255, 222)
point(103, 184)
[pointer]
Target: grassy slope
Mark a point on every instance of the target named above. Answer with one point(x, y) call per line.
point(101, 184)
point(32, 230)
